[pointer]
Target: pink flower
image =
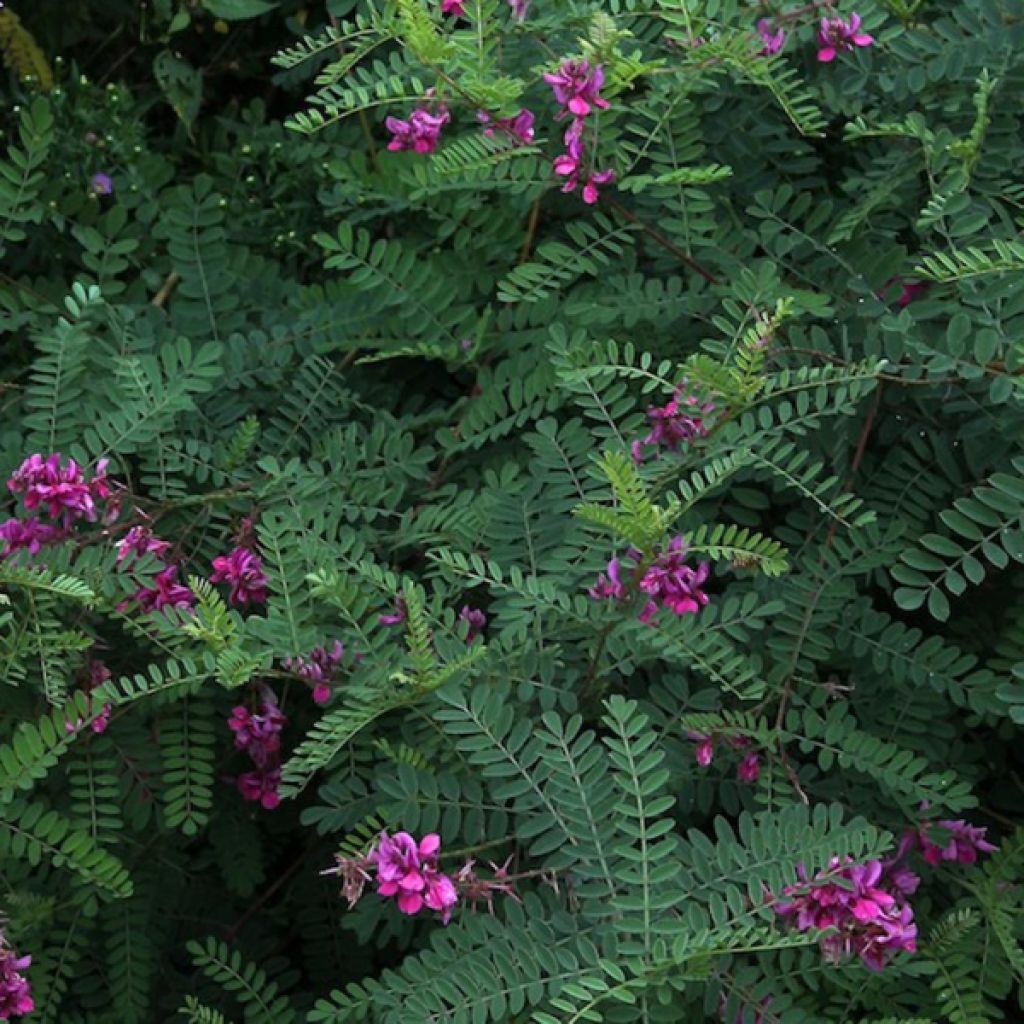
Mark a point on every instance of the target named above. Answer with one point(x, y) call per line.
point(395, 617)
point(911, 291)
point(674, 585)
point(519, 127)
point(441, 894)
point(258, 735)
point(577, 87)
point(519, 8)
point(408, 871)
point(421, 133)
point(476, 620)
point(244, 571)
point(868, 915)
point(773, 39)
point(590, 193)
point(166, 592)
point(59, 491)
point(749, 769)
point(261, 787)
point(15, 992)
point(836, 36)
point(609, 587)
point(453, 7)
point(704, 751)
point(139, 541)
point(963, 842)
point(29, 535)
point(318, 668)
point(680, 420)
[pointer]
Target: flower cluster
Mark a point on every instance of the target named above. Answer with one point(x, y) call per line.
point(960, 842)
point(408, 872)
point(259, 736)
point(318, 669)
point(15, 993)
point(29, 535)
point(679, 420)
point(519, 127)
point(749, 768)
point(577, 86)
point(455, 7)
point(837, 35)
point(773, 38)
point(165, 591)
point(864, 906)
point(421, 133)
point(60, 492)
point(668, 582)
point(243, 569)
point(98, 675)
point(476, 621)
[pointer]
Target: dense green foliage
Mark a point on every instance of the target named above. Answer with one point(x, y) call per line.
point(421, 376)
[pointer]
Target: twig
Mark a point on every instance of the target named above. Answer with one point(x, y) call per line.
point(232, 932)
point(664, 242)
point(531, 230)
point(166, 289)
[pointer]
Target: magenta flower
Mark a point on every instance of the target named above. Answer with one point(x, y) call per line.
point(590, 193)
point(519, 127)
point(318, 668)
point(749, 769)
point(836, 36)
point(453, 7)
point(679, 421)
point(15, 992)
point(674, 585)
point(98, 675)
point(28, 535)
point(421, 133)
point(258, 735)
point(243, 569)
point(166, 592)
point(705, 749)
point(519, 8)
point(609, 587)
point(577, 87)
point(261, 787)
point(395, 617)
point(476, 620)
point(408, 871)
point(912, 290)
point(440, 894)
point(59, 491)
point(963, 842)
point(773, 38)
point(868, 914)
point(139, 541)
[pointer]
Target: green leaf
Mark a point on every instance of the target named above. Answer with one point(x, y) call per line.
point(238, 10)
